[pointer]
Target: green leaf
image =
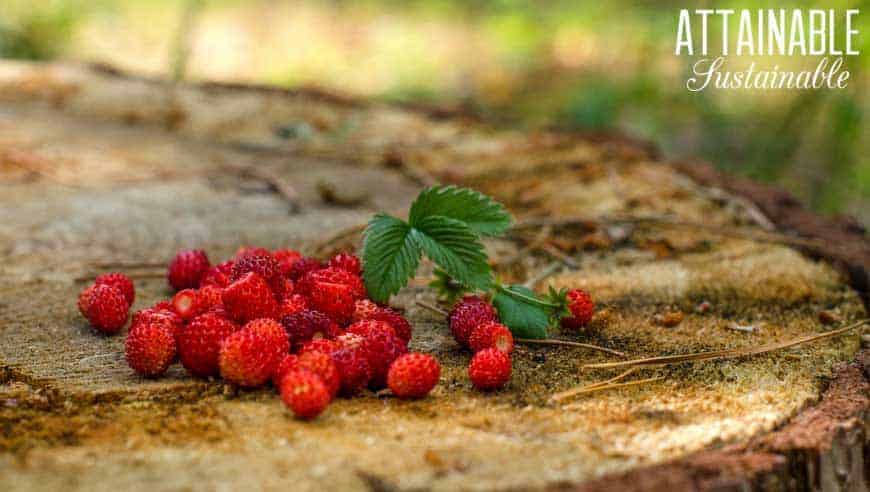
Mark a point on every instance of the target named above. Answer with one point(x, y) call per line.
point(525, 320)
point(453, 246)
point(390, 256)
point(481, 213)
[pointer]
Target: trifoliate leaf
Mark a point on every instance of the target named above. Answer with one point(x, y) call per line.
point(525, 319)
point(481, 213)
point(390, 256)
point(453, 246)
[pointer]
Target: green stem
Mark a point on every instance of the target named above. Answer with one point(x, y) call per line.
point(530, 300)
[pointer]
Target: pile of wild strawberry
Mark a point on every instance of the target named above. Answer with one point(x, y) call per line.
point(306, 326)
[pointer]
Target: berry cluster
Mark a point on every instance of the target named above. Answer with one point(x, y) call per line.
point(306, 326)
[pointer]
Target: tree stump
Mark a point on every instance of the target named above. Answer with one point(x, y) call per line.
point(101, 171)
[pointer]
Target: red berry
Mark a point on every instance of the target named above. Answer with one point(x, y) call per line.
point(353, 369)
point(108, 309)
point(317, 362)
point(307, 325)
point(302, 266)
point(396, 320)
point(211, 298)
point(304, 393)
point(363, 309)
point(218, 275)
point(491, 335)
point(158, 315)
point(200, 341)
point(85, 299)
point(286, 258)
point(489, 369)
point(382, 348)
point(187, 304)
point(292, 304)
point(320, 345)
point(150, 348)
point(347, 262)
point(248, 357)
point(413, 375)
point(120, 282)
point(249, 297)
point(581, 306)
point(264, 265)
point(467, 314)
point(332, 292)
point(187, 268)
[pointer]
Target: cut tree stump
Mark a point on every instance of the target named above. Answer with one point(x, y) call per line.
point(100, 171)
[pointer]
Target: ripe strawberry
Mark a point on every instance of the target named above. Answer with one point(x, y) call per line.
point(150, 348)
point(489, 369)
point(363, 309)
point(581, 306)
point(317, 362)
point(332, 291)
point(382, 347)
point(308, 325)
point(491, 335)
point(120, 282)
point(249, 298)
point(263, 264)
point(396, 320)
point(200, 341)
point(85, 299)
point(157, 315)
point(287, 289)
point(320, 345)
point(347, 262)
point(302, 266)
point(187, 304)
point(187, 268)
point(248, 357)
point(467, 314)
point(292, 304)
point(413, 375)
point(304, 393)
point(218, 275)
point(107, 309)
point(211, 298)
point(286, 258)
point(353, 366)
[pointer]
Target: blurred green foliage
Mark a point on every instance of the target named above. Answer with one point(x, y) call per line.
point(571, 64)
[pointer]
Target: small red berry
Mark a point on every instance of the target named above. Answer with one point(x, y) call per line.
point(187, 304)
point(581, 306)
point(248, 357)
point(467, 314)
point(413, 375)
point(347, 262)
point(85, 299)
point(304, 393)
point(107, 309)
point(158, 315)
point(317, 362)
point(489, 369)
point(353, 369)
point(491, 335)
point(150, 348)
point(320, 345)
point(249, 298)
point(120, 282)
point(396, 320)
point(363, 309)
point(200, 341)
point(332, 291)
point(211, 298)
point(286, 258)
point(187, 268)
point(302, 266)
point(292, 304)
point(308, 325)
point(264, 265)
point(218, 275)
point(382, 348)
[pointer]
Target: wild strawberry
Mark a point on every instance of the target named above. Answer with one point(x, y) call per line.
point(150, 348)
point(382, 347)
point(307, 325)
point(107, 309)
point(263, 265)
point(120, 282)
point(304, 393)
point(347, 262)
point(491, 335)
point(489, 369)
point(396, 320)
point(155, 315)
point(287, 289)
point(249, 298)
point(187, 268)
point(85, 299)
point(211, 297)
point(218, 275)
point(467, 314)
point(292, 304)
point(302, 266)
point(413, 375)
point(317, 362)
point(363, 309)
point(286, 258)
point(248, 357)
point(200, 341)
point(581, 306)
point(332, 292)
point(320, 345)
point(187, 304)
point(353, 369)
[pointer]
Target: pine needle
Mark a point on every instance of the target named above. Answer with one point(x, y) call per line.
point(580, 389)
point(613, 386)
point(550, 341)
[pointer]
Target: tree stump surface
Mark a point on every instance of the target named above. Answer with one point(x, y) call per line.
point(100, 171)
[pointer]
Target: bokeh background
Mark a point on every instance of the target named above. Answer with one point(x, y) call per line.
point(569, 64)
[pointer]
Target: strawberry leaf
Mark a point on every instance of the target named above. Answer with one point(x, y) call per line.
point(390, 256)
point(525, 319)
point(453, 246)
point(482, 214)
